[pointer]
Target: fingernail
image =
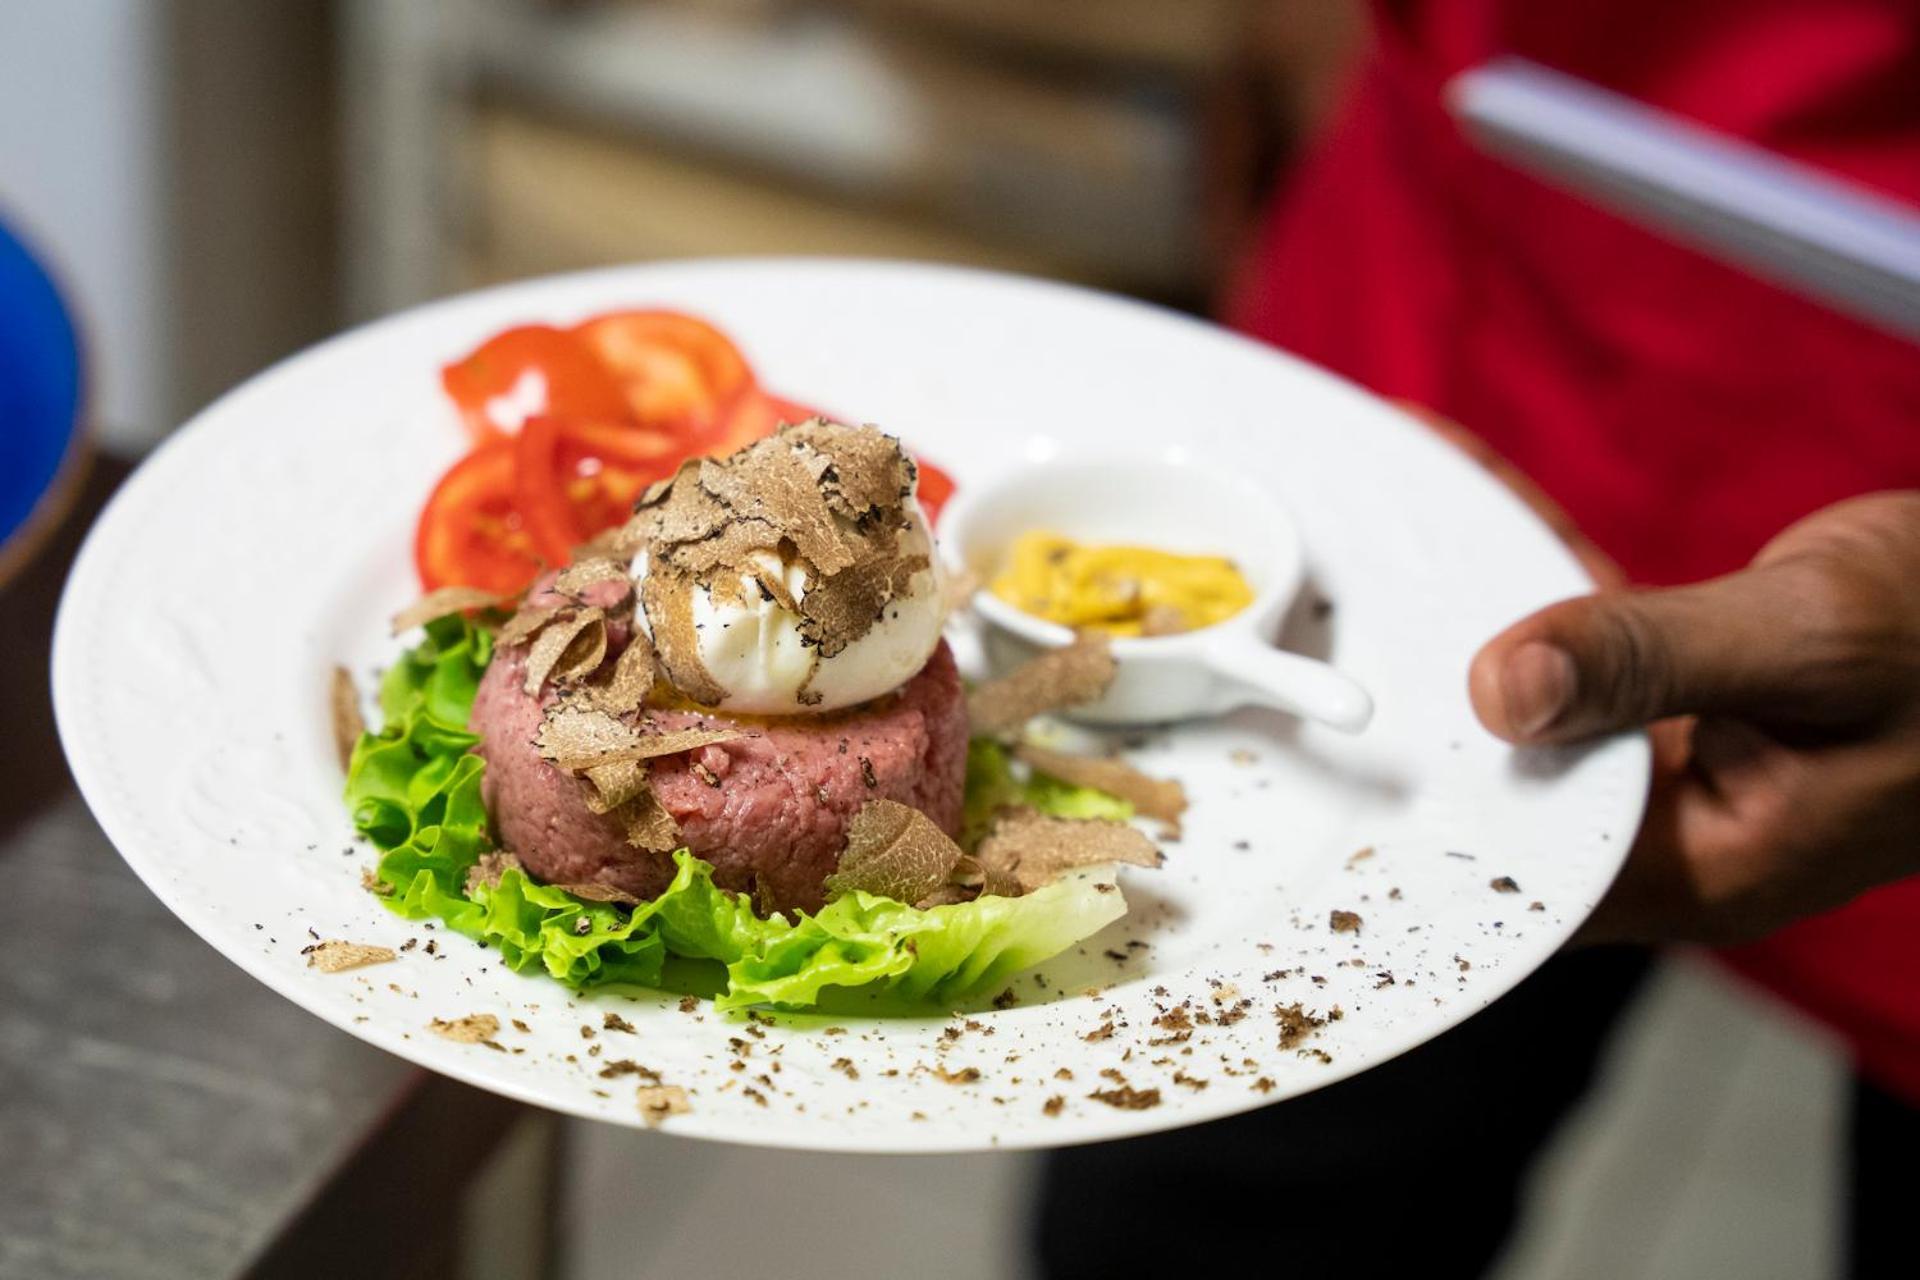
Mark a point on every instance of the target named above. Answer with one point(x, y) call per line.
point(1537, 687)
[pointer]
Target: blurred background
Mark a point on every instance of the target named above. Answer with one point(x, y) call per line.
point(216, 183)
point(278, 171)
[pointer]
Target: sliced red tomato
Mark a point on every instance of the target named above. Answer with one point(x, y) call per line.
point(532, 369)
point(678, 372)
point(539, 489)
point(936, 486)
point(470, 533)
point(574, 478)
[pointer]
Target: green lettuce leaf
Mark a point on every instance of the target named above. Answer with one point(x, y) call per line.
point(992, 786)
point(414, 792)
point(942, 955)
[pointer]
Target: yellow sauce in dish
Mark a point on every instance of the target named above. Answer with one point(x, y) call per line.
point(1121, 590)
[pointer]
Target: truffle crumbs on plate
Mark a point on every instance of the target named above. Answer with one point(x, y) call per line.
point(475, 1028)
point(658, 1101)
point(335, 955)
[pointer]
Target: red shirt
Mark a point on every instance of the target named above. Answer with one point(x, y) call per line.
point(1682, 411)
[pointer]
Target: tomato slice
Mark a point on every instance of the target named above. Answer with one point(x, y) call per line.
point(574, 478)
point(936, 486)
point(532, 369)
point(678, 372)
point(539, 489)
point(470, 533)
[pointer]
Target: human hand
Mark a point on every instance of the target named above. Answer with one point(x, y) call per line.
point(1785, 705)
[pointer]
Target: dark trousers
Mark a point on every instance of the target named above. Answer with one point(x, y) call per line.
point(1414, 1168)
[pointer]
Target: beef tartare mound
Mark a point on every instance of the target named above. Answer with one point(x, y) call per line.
point(749, 662)
point(769, 809)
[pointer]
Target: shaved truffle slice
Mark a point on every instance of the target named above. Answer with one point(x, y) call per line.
point(863, 473)
point(1161, 799)
point(475, 1028)
point(335, 956)
point(893, 851)
point(600, 893)
point(438, 604)
point(581, 574)
point(571, 644)
point(615, 783)
point(488, 870)
point(831, 497)
point(1032, 849)
point(578, 738)
point(673, 742)
point(839, 610)
point(631, 681)
point(650, 826)
point(668, 597)
point(677, 510)
point(618, 543)
point(771, 482)
point(1065, 677)
point(529, 619)
point(348, 723)
point(659, 1101)
point(961, 587)
point(612, 755)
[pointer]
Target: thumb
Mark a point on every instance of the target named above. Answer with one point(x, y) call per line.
point(1742, 644)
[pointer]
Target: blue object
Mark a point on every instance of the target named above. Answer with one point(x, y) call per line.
point(39, 389)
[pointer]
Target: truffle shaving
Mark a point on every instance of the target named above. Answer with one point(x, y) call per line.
point(523, 624)
point(862, 473)
point(832, 499)
point(841, 609)
point(488, 870)
point(578, 738)
point(997, 880)
point(600, 893)
point(475, 1028)
point(893, 851)
point(348, 724)
point(1068, 676)
point(1033, 849)
point(668, 597)
point(438, 604)
point(631, 681)
point(583, 656)
point(649, 825)
point(335, 956)
point(659, 1101)
point(961, 587)
point(1160, 799)
point(553, 651)
point(618, 543)
point(613, 784)
point(770, 481)
point(947, 895)
point(581, 574)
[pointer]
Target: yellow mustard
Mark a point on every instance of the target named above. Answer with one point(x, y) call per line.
point(1124, 591)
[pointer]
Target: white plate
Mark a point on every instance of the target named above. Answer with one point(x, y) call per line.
point(270, 539)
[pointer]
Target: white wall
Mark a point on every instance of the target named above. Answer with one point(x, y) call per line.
point(81, 178)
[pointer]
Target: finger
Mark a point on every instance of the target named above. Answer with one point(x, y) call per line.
point(1751, 835)
point(1700, 849)
point(1653, 895)
point(1753, 643)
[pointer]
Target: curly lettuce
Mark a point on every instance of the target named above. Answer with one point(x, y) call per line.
point(414, 792)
